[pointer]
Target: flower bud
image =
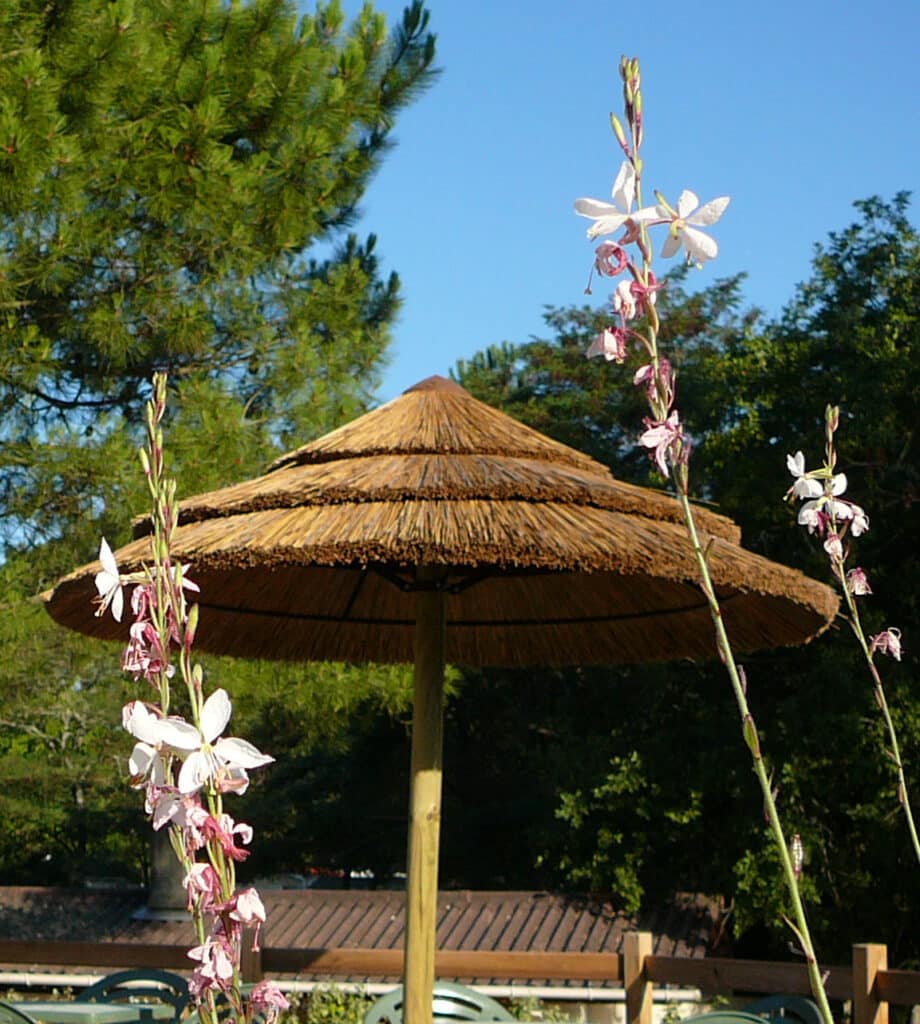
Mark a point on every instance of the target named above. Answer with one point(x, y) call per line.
point(832, 418)
point(618, 130)
point(750, 736)
point(191, 627)
point(797, 855)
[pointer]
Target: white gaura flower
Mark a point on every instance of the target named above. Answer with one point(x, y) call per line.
point(610, 217)
point(145, 764)
point(108, 583)
point(685, 223)
point(208, 758)
point(811, 486)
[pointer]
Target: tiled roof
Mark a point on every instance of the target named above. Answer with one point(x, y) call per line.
point(356, 918)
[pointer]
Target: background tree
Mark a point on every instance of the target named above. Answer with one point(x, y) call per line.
point(178, 185)
point(633, 825)
point(175, 185)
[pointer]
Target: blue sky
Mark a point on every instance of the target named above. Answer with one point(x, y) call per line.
point(795, 110)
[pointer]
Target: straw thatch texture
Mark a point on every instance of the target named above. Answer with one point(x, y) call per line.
point(547, 559)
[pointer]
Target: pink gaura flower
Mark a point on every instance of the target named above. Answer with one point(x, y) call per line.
point(833, 547)
point(267, 999)
point(888, 642)
point(146, 764)
point(818, 515)
point(610, 343)
point(226, 831)
point(202, 884)
point(860, 523)
point(624, 301)
point(857, 584)
point(144, 655)
point(644, 294)
point(665, 438)
point(215, 956)
point(808, 485)
point(646, 375)
point(610, 259)
point(247, 909)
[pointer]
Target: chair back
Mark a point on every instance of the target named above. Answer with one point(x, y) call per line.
point(13, 1015)
point(724, 1017)
point(143, 985)
point(452, 1004)
point(794, 1009)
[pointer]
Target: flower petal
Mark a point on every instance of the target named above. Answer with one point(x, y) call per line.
point(687, 203)
point(595, 208)
point(796, 464)
point(176, 732)
point(671, 245)
point(711, 212)
point(647, 213)
point(700, 247)
point(195, 772)
point(142, 760)
point(607, 225)
point(215, 714)
point(240, 753)
point(806, 487)
point(109, 565)
point(624, 188)
point(118, 603)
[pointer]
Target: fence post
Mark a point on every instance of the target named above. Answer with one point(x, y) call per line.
point(636, 947)
point(250, 959)
point(868, 959)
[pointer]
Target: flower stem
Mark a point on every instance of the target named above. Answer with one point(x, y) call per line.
point(881, 700)
point(752, 740)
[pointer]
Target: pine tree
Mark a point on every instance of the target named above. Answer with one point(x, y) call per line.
point(177, 181)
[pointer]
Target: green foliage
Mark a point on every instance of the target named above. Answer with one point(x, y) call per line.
point(175, 181)
point(337, 795)
point(327, 1005)
point(178, 185)
point(531, 1008)
point(650, 779)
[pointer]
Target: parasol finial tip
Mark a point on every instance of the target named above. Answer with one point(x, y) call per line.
point(437, 383)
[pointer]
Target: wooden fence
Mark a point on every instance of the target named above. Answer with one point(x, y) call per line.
point(867, 981)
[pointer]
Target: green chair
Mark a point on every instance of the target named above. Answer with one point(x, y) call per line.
point(452, 1004)
point(141, 985)
point(794, 1009)
point(724, 1017)
point(10, 1015)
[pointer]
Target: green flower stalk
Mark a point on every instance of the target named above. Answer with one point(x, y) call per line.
point(185, 767)
point(834, 520)
point(664, 436)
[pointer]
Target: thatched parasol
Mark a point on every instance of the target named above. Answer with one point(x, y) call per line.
point(437, 529)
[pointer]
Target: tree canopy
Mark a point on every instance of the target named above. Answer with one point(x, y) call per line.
point(195, 215)
point(179, 189)
point(635, 823)
point(176, 186)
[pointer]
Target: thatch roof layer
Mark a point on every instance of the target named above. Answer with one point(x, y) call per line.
point(547, 559)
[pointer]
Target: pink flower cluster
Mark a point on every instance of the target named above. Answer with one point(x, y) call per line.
point(634, 297)
point(825, 513)
point(184, 768)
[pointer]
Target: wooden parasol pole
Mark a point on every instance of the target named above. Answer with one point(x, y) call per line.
point(424, 802)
